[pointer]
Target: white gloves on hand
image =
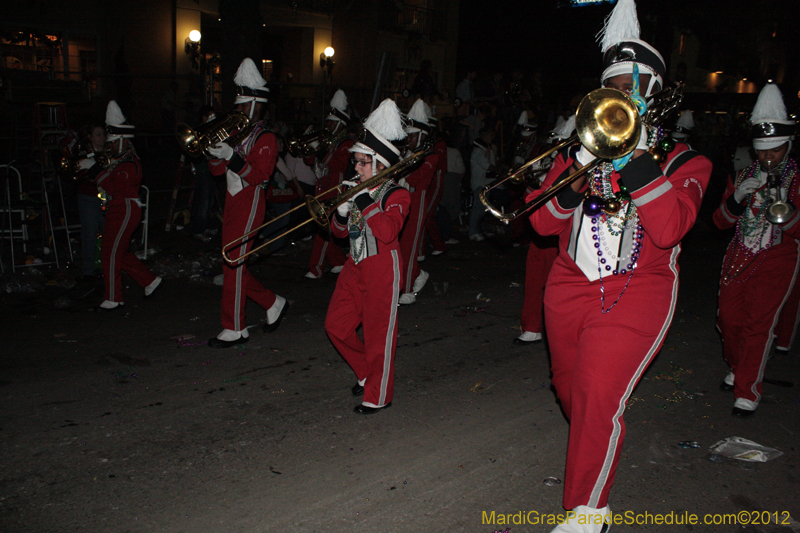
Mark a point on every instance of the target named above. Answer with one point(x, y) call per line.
point(344, 209)
point(747, 186)
point(584, 156)
point(85, 164)
point(643, 140)
point(221, 151)
point(349, 184)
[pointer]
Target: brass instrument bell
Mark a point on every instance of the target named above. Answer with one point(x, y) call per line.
point(232, 128)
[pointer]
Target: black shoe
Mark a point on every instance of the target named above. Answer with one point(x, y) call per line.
point(361, 409)
point(781, 351)
point(269, 328)
point(358, 390)
point(742, 413)
point(216, 343)
point(724, 386)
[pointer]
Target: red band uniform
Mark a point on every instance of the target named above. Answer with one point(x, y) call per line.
point(336, 161)
point(121, 184)
point(368, 289)
point(251, 165)
point(758, 274)
point(585, 340)
point(411, 236)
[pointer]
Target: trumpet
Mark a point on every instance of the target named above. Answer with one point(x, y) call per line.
point(321, 210)
point(232, 128)
point(608, 124)
point(304, 145)
point(68, 166)
point(778, 211)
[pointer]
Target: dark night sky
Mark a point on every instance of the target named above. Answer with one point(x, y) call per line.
point(508, 34)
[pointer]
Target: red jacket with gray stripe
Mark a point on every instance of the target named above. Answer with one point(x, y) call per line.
point(667, 198)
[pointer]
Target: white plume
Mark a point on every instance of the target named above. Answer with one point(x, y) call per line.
point(769, 106)
point(339, 100)
point(417, 112)
point(114, 114)
point(686, 120)
point(565, 130)
point(248, 75)
point(387, 121)
point(621, 25)
point(523, 118)
point(428, 110)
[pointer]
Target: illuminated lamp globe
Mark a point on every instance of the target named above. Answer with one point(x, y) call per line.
point(194, 36)
point(329, 52)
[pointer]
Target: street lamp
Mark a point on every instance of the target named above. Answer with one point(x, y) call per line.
point(192, 47)
point(326, 62)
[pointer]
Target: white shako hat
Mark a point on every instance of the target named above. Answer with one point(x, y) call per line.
point(250, 86)
point(621, 46)
point(683, 126)
point(564, 129)
point(338, 111)
point(418, 117)
point(381, 127)
point(528, 128)
point(771, 125)
point(116, 124)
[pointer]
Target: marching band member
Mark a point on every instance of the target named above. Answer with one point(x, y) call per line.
point(761, 263)
point(120, 184)
point(683, 127)
point(542, 252)
point(611, 293)
point(526, 147)
point(245, 166)
point(417, 183)
point(434, 194)
point(368, 287)
point(336, 164)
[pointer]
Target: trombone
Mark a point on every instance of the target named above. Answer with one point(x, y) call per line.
point(321, 210)
point(608, 125)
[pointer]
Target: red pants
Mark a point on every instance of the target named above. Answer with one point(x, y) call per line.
point(367, 294)
point(242, 212)
point(324, 248)
point(786, 329)
point(597, 360)
point(435, 196)
point(537, 268)
point(748, 312)
point(121, 221)
point(411, 240)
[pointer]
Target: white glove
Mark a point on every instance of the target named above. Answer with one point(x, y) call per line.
point(344, 209)
point(221, 151)
point(747, 186)
point(584, 156)
point(643, 140)
point(85, 164)
point(349, 184)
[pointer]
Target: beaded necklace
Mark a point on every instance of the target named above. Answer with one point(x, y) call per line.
point(355, 223)
point(753, 224)
point(617, 213)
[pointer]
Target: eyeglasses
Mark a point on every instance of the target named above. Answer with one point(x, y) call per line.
point(357, 162)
